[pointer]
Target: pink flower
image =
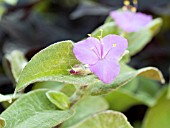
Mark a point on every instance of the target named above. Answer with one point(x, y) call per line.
point(130, 21)
point(102, 55)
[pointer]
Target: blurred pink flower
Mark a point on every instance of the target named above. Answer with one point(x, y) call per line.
point(130, 21)
point(102, 55)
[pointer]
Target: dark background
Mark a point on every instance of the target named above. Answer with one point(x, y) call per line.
point(34, 24)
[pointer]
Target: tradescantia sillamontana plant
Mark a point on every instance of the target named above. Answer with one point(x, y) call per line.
point(66, 75)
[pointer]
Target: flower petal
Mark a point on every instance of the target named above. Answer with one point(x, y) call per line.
point(106, 70)
point(88, 50)
point(130, 21)
point(114, 46)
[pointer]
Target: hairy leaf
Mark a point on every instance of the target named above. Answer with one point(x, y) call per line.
point(124, 77)
point(106, 119)
point(34, 110)
point(52, 61)
point(84, 108)
point(138, 40)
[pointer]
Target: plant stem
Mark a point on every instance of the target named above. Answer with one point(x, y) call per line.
point(78, 94)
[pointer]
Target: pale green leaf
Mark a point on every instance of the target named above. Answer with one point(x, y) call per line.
point(138, 40)
point(155, 25)
point(158, 116)
point(14, 64)
point(34, 110)
point(106, 119)
point(84, 108)
point(52, 61)
point(59, 99)
point(131, 86)
point(121, 100)
point(152, 73)
point(124, 77)
point(139, 91)
point(68, 89)
point(148, 86)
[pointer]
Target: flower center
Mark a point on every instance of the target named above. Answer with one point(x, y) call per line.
point(96, 52)
point(100, 51)
point(114, 45)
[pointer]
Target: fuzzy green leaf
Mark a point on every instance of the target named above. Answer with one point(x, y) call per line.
point(68, 89)
point(34, 110)
point(138, 40)
point(106, 119)
point(124, 77)
point(138, 91)
point(54, 60)
point(85, 108)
